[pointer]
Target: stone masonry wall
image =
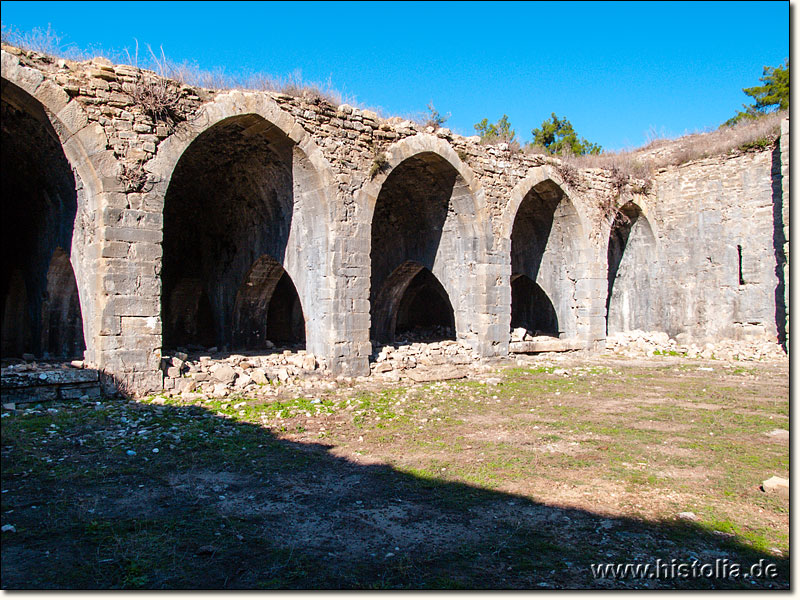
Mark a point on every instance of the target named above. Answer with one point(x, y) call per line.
point(124, 154)
point(784, 214)
point(708, 214)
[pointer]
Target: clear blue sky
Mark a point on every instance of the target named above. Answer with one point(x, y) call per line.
point(616, 70)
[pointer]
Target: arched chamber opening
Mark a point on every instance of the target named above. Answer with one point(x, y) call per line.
point(267, 309)
point(531, 308)
point(41, 309)
point(227, 217)
point(544, 246)
point(408, 303)
point(631, 302)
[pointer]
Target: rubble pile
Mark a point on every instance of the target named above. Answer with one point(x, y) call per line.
point(268, 375)
point(424, 334)
point(253, 375)
point(28, 381)
point(653, 343)
point(400, 357)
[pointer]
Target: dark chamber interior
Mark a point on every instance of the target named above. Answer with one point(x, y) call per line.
point(425, 310)
point(268, 308)
point(531, 308)
point(227, 216)
point(40, 304)
point(407, 226)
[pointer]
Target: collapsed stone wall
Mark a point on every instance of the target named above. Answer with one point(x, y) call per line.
point(215, 181)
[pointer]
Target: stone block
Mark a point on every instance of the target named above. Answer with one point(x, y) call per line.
point(52, 96)
point(25, 379)
point(134, 306)
point(224, 375)
point(776, 485)
point(132, 234)
point(115, 249)
point(146, 251)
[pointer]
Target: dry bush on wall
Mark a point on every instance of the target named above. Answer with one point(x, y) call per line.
point(378, 165)
point(158, 96)
point(568, 173)
point(133, 177)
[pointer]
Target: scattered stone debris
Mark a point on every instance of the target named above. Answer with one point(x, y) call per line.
point(28, 381)
point(779, 435)
point(424, 334)
point(651, 343)
point(688, 516)
point(404, 356)
point(778, 485)
point(212, 374)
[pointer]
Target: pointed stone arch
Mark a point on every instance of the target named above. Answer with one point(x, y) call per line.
point(84, 143)
point(84, 146)
point(633, 255)
point(468, 195)
point(268, 309)
point(545, 233)
point(411, 295)
point(307, 210)
point(531, 309)
point(427, 207)
point(536, 177)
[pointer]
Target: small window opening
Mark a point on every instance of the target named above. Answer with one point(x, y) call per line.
point(741, 277)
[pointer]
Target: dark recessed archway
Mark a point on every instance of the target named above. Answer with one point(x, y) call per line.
point(412, 304)
point(424, 310)
point(229, 202)
point(407, 227)
point(41, 313)
point(191, 318)
point(546, 241)
point(62, 327)
point(267, 308)
point(531, 308)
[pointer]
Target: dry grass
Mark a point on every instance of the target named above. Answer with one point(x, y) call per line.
point(51, 44)
point(641, 163)
point(747, 135)
point(160, 96)
point(291, 85)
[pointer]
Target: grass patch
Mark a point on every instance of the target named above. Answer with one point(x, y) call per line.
point(443, 485)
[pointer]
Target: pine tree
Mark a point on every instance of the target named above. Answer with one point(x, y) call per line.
point(496, 132)
point(772, 96)
point(557, 136)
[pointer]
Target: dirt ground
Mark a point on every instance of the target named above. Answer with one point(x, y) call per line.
point(527, 474)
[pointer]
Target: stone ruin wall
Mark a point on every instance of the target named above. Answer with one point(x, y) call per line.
point(714, 213)
point(679, 271)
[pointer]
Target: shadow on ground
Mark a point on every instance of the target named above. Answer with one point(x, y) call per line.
point(232, 505)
